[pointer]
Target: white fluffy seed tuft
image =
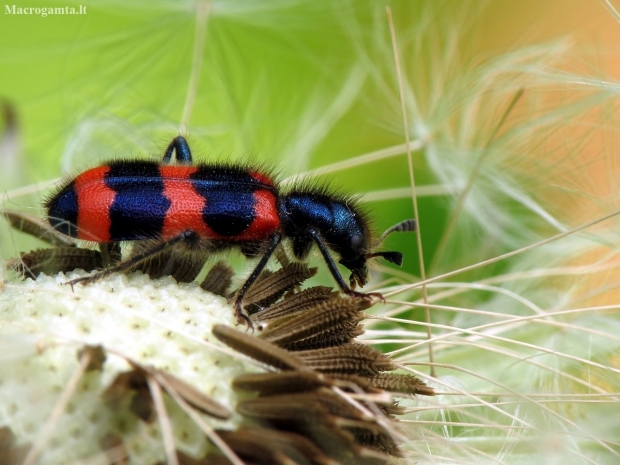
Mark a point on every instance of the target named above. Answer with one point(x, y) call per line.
point(43, 325)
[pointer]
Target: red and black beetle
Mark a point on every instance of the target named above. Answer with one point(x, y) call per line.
point(212, 207)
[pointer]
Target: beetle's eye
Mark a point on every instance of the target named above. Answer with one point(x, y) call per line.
point(356, 241)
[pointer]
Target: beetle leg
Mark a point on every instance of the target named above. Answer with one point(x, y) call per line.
point(189, 236)
point(183, 154)
point(242, 317)
point(110, 253)
point(333, 269)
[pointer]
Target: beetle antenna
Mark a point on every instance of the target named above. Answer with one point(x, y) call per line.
point(392, 257)
point(404, 226)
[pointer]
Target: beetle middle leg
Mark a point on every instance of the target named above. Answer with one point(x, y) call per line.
point(273, 242)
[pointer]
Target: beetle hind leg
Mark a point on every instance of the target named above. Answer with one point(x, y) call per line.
point(140, 258)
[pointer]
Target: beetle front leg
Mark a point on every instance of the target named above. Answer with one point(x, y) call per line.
point(344, 287)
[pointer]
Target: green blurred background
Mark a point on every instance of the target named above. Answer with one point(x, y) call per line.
point(297, 84)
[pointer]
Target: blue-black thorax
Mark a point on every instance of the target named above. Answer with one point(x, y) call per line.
point(338, 223)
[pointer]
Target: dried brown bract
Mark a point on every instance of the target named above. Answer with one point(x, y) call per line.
point(58, 259)
point(333, 322)
point(277, 447)
point(399, 382)
point(218, 279)
point(281, 382)
point(130, 384)
point(270, 287)
point(301, 302)
point(63, 257)
point(36, 227)
point(134, 383)
point(96, 357)
point(10, 452)
point(352, 358)
point(197, 399)
point(114, 449)
point(258, 349)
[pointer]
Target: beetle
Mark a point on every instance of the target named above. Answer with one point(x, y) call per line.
point(213, 207)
